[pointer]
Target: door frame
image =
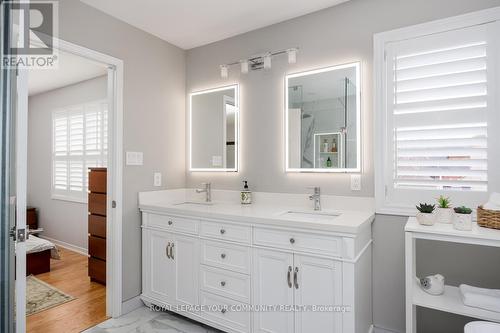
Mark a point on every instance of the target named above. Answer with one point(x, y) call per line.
point(115, 169)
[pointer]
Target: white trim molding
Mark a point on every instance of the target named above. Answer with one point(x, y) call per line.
point(67, 246)
point(382, 42)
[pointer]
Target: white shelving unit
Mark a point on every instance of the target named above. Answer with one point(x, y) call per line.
point(451, 300)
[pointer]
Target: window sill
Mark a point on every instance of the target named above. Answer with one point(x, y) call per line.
point(68, 199)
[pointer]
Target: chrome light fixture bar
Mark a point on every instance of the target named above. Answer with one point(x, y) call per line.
point(262, 61)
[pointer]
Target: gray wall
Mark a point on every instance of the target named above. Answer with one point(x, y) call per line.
point(333, 36)
point(153, 112)
point(53, 214)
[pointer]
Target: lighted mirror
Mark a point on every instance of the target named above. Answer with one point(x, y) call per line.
point(214, 117)
point(322, 117)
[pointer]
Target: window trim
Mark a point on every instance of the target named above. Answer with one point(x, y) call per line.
point(383, 205)
point(54, 194)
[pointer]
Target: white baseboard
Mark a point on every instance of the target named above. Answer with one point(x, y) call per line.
point(67, 246)
point(383, 330)
point(132, 304)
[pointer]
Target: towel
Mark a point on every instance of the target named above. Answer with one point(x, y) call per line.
point(487, 299)
point(494, 202)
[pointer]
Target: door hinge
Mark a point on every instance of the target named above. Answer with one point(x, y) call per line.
point(113, 204)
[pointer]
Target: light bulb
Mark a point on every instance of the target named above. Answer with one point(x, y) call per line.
point(267, 61)
point(292, 56)
point(244, 66)
point(223, 71)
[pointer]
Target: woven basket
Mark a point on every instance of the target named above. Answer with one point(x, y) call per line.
point(488, 218)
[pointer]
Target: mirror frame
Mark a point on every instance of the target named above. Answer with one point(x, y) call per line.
point(236, 88)
point(357, 66)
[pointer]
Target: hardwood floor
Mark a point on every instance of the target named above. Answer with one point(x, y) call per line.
point(88, 309)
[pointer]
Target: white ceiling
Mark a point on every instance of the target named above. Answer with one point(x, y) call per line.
point(71, 69)
point(192, 23)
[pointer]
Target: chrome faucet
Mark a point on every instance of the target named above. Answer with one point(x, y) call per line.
point(207, 190)
point(316, 197)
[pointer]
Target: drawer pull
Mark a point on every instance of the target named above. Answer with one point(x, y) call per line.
point(222, 231)
point(292, 240)
point(289, 276)
point(172, 251)
point(295, 282)
point(223, 311)
point(223, 283)
point(167, 250)
point(170, 222)
point(223, 255)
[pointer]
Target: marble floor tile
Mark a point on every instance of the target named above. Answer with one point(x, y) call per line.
point(144, 320)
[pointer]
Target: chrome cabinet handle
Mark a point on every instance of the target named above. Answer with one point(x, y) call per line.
point(222, 231)
point(167, 250)
point(172, 251)
point(292, 240)
point(223, 283)
point(289, 276)
point(223, 255)
point(295, 282)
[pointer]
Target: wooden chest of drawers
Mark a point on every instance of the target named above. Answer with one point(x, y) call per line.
point(97, 201)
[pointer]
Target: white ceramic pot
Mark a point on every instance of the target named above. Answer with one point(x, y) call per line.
point(462, 221)
point(444, 215)
point(426, 218)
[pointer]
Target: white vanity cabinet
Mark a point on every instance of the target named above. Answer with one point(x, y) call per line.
point(260, 277)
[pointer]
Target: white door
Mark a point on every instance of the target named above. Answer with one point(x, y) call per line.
point(273, 286)
point(186, 255)
point(162, 266)
point(317, 282)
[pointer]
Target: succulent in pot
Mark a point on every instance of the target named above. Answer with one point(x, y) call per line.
point(444, 212)
point(425, 214)
point(462, 219)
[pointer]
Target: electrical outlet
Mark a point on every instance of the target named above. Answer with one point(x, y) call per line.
point(157, 179)
point(355, 182)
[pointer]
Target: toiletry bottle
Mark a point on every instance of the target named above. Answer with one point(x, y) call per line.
point(328, 163)
point(325, 146)
point(246, 194)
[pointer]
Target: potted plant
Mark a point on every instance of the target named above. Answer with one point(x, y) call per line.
point(444, 213)
point(425, 214)
point(462, 219)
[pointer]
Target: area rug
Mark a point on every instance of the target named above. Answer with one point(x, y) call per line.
point(42, 296)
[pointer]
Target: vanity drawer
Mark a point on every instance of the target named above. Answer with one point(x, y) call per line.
point(227, 256)
point(172, 223)
point(299, 241)
point(225, 312)
point(226, 231)
point(225, 283)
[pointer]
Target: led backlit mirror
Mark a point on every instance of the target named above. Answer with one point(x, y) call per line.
point(214, 118)
point(322, 117)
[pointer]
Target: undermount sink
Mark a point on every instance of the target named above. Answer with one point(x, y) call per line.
point(194, 204)
point(313, 216)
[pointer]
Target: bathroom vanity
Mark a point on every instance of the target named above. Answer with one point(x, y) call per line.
point(273, 266)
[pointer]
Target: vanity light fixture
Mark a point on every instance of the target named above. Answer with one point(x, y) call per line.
point(262, 61)
point(223, 71)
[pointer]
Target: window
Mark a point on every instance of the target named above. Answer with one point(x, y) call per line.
point(436, 116)
point(79, 141)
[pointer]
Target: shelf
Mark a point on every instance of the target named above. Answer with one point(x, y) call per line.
point(451, 301)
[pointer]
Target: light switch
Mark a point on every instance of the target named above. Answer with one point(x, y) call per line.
point(157, 179)
point(134, 158)
point(355, 182)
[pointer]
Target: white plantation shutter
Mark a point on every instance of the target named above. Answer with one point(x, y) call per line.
point(439, 100)
point(79, 142)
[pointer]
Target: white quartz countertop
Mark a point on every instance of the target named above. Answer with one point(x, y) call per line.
point(267, 210)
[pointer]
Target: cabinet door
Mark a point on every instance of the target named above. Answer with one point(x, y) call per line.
point(271, 287)
point(186, 256)
point(162, 268)
point(318, 282)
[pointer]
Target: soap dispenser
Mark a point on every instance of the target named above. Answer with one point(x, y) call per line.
point(246, 194)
